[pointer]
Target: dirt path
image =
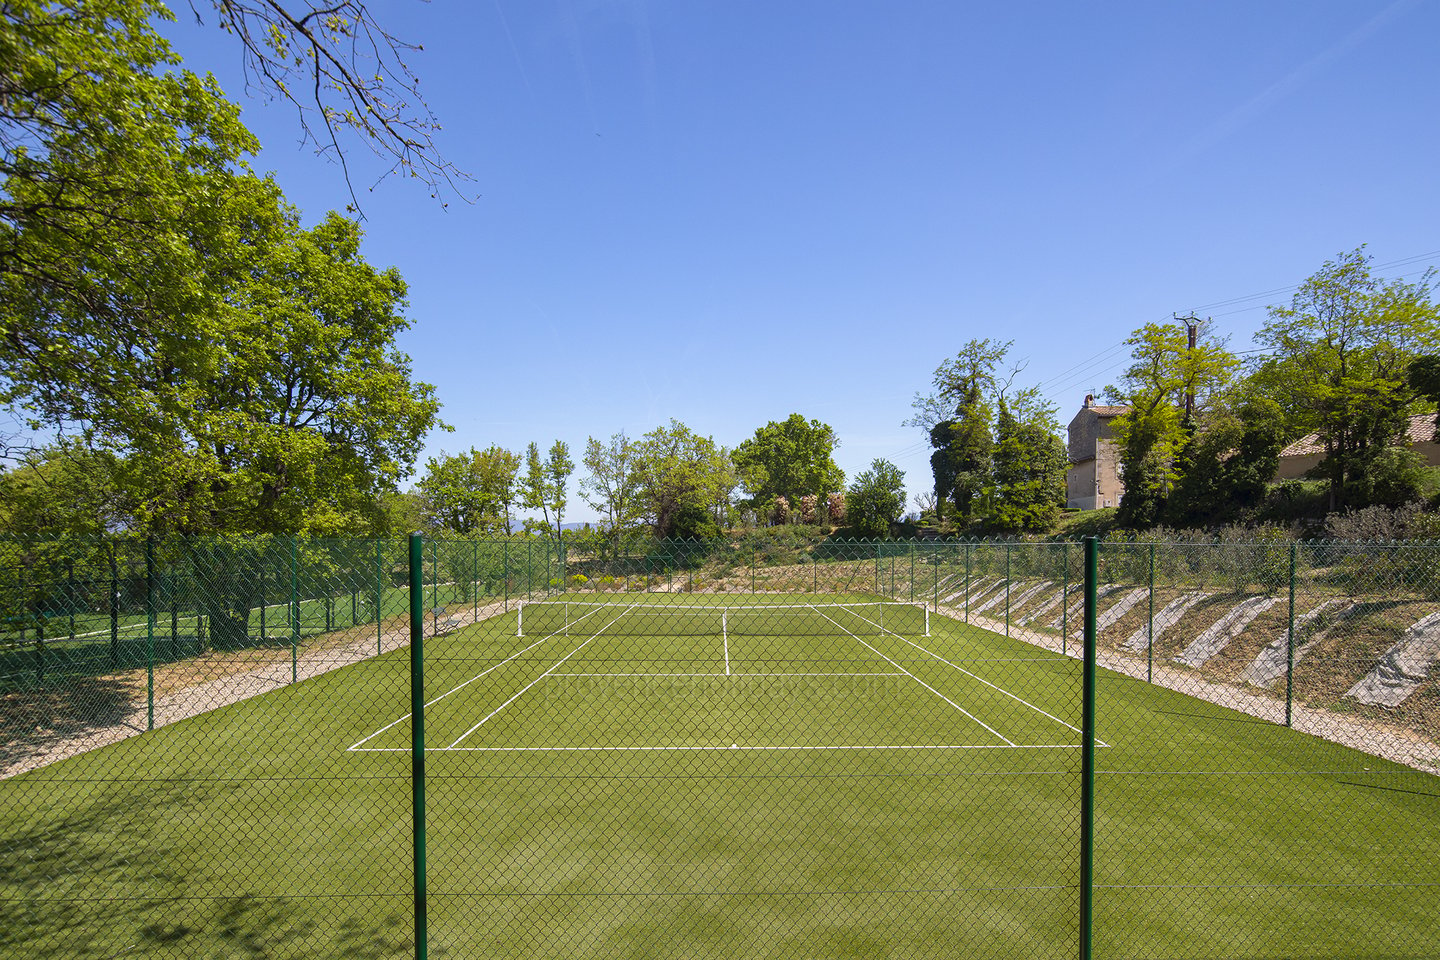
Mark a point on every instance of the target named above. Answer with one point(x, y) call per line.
point(1390, 743)
point(189, 692)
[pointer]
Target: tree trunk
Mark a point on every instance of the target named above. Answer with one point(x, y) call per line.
point(228, 579)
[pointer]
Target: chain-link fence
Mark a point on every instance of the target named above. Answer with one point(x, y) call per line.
point(759, 746)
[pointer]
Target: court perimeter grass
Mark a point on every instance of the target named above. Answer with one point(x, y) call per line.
point(832, 790)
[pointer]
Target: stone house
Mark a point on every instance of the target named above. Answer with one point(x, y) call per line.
point(1094, 479)
point(1300, 456)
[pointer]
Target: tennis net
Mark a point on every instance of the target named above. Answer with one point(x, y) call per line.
point(867, 618)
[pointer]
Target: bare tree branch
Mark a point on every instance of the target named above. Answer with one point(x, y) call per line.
point(356, 81)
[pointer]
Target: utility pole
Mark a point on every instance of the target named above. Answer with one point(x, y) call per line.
point(1192, 328)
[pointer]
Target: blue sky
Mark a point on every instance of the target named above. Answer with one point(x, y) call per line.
point(726, 212)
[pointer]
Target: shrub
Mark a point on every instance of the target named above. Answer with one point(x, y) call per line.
point(808, 506)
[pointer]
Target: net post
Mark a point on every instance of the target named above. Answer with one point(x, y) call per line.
point(1087, 752)
point(1290, 646)
point(927, 621)
point(417, 742)
point(520, 619)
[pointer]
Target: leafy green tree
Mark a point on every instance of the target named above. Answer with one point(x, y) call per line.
point(1227, 463)
point(401, 512)
point(544, 486)
point(792, 459)
point(679, 474)
point(1423, 378)
point(1165, 371)
point(958, 417)
point(65, 492)
point(1340, 355)
point(962, 458)
point(1029, 465)
point(876, 499)
point(470, 493)
point(612, 486)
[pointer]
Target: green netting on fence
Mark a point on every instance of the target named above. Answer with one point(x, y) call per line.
point(757, 746)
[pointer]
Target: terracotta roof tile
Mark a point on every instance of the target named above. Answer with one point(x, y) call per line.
point(1420, 429)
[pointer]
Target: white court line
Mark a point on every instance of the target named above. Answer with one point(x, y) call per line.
point(736, 749)
point(1098, 741)
point(461, 686)
point(917, 679)
point(543, 675)
point(892, 674)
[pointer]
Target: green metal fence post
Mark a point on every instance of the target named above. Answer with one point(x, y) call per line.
point(70, 581)
point(1150, 637)
point(1087, 752)
point(264, 637)
point(294, 609)
point(912, 573)
point(434, 587)
point(1007, 589)
point(114, 609)
point(1065, 600)
point(505, 571)
point(417, 742)
point(475, 580)
point(752, 569)
point(935, 579)
point(1290, 647)
point(149, 634)
point(967, 582)
point(379, 598)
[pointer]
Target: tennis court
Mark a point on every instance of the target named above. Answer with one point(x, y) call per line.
point(630, 676)
point(640, 773)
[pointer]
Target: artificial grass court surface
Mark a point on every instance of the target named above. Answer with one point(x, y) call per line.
point(897, 804)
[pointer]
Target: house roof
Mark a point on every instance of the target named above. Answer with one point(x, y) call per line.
point(1108, 411)
point(1419, 429)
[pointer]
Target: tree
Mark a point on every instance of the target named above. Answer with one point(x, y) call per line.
point(1423, 378)
point(680, 476)
point(355, 77)
point(64, 492)
point(1166, 373)
point(961, 462)
point(876, 499)
point(792, 459)
point(544, 485)
point(972, 371)
point(1029, 465)
point(471, 492)
point(1228, 462)
point(612, 486)
point(1340, 354)
point(958, 419)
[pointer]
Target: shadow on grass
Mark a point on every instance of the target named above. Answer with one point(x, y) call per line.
point(110, 876)
point(34, 721)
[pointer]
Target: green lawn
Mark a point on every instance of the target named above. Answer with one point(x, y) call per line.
point(826, 791)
